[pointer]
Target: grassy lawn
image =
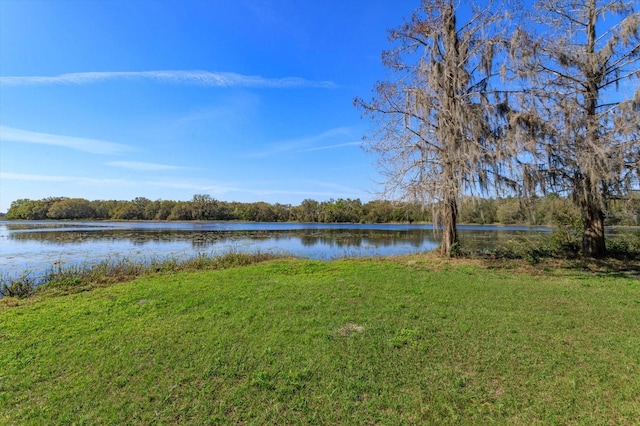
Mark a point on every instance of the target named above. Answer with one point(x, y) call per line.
point(387, 341)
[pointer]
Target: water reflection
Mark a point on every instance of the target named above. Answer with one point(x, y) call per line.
point(204, 239)
point(36, 246)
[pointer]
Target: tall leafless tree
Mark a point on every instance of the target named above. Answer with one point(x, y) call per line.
point(579, 120)
point(435, 137)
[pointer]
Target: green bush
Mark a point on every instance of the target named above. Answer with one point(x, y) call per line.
point(625, 246)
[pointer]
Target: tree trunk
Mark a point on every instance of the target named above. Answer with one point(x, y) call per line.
point(593, 242)
point(449, 229)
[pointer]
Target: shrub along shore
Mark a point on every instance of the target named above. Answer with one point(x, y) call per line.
point(409, 340)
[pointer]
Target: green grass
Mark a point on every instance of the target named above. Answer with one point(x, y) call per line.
point(393, 341)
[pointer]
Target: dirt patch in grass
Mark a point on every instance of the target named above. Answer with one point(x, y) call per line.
point(350, 328)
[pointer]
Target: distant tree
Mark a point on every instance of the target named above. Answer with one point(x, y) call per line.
point(342, 210)
point(625, 211)
point(128, 210)
point(478, 210)
point(561, 212)
point(509, 211)
point(104, 209)
point(181, 211)
point(164, 210)
point(353, 210)
point(308, 211)
point(378, 211)
point(71, 208)
point(437, 137)
point(204, 207)
point(328, 211)
point(239, 211)
point(144, 206)
point(282, 212)
point(224, 211)
point(151, 210)
point(26, 209)
point(263, 212)
point(22, 209)
point(631, 210)
point(581, 135)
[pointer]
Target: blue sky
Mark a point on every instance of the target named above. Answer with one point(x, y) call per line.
point(244, 100)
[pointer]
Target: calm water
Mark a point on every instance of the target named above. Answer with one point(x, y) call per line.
point(36, 247)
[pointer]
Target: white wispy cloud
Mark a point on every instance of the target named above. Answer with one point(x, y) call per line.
point(55, 178)
point(305, 188)
point(142, 166)
point(300, 144)
point(340, 145)
point(337, 188)
point(199, 78)
point(193, 185)
point(94, 146)
point(240, 191)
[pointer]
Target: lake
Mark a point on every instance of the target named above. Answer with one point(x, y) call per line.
point(35, 247)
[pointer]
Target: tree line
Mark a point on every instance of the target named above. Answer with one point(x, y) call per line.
point(551, 210)
point(511, 98)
